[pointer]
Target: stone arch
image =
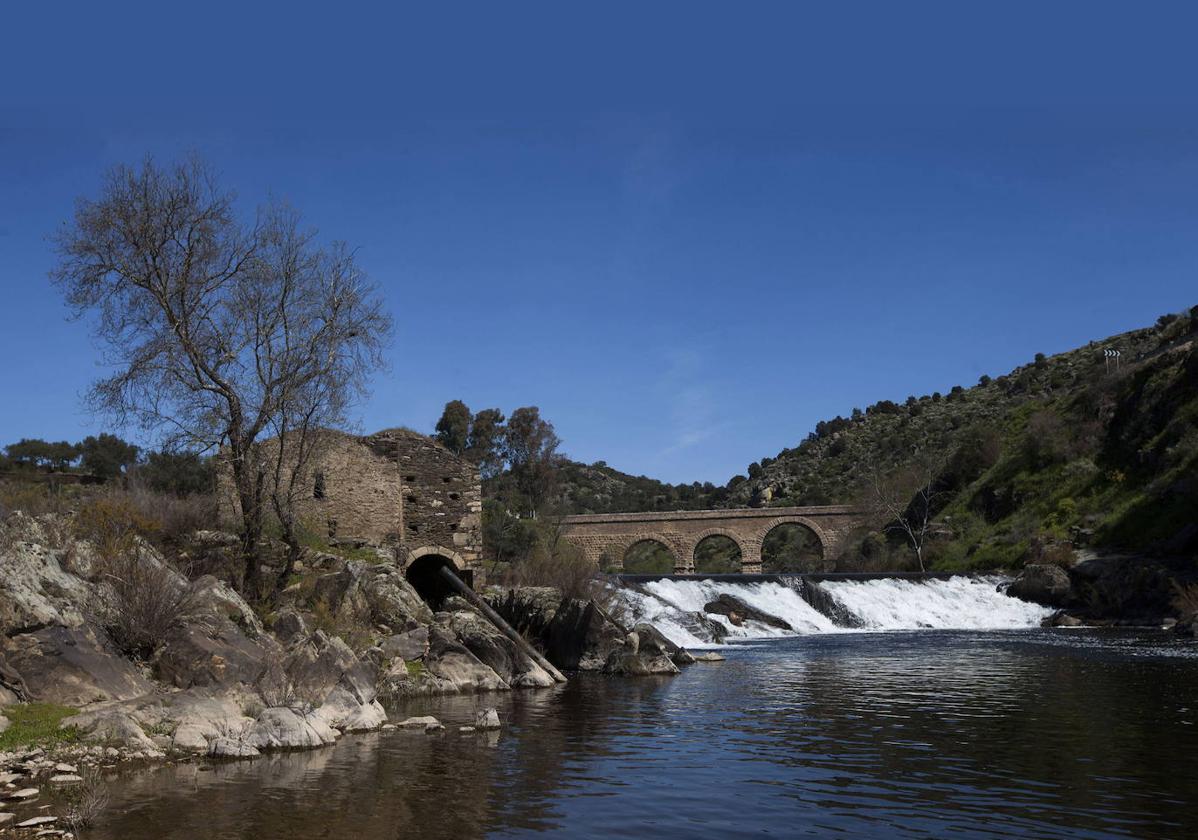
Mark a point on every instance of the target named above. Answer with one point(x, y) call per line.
point(713, 532)
point(426, 550)
point(821, 536)
point(670, 545)
point(423, 572)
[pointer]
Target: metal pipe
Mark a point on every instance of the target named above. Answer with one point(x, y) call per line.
point(495, 618)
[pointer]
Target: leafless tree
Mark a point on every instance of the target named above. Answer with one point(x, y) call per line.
point(217, 330)
point(904, 498)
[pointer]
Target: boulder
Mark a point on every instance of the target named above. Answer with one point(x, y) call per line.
point(709, 656)
point(582, 636)
point(409, 645)
point(1042, 584)
point(112, 727)
point(487, 719)
point(220, 599)
point(738, 611)
point(231, 748)
point(1061, 619)
point(627, 663)
point(393, 601)
point(211, 651)
point(281, 728)
point(289, 625)
point(450, 663)
point(36, 592)
point(73, 666)
point(529, 609)
point(497, 651)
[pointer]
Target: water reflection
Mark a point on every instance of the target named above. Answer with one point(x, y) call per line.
point(917, 734)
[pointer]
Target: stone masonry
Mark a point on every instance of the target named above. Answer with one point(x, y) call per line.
point(395, 489)
point(606, 538)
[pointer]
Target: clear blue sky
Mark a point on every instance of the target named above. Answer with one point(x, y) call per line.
point(686, 231)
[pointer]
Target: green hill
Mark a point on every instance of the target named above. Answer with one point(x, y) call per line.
point(1068, 450)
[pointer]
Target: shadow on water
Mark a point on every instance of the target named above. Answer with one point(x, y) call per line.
point(904, 734)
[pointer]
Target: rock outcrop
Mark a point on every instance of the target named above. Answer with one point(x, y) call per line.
point(1042, 584)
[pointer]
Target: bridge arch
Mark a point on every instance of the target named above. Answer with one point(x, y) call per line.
point(775, 532)
point(711, 534)
point(637, 554)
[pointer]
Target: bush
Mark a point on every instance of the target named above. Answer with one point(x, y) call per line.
point(85, 800)
point(147, 599)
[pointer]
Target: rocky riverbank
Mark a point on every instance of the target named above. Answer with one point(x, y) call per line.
point(1115, 591)
point(347, 639)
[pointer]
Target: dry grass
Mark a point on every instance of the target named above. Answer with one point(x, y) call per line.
point(84, 801)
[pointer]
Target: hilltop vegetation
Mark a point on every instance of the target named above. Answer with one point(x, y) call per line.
point(1066, 451)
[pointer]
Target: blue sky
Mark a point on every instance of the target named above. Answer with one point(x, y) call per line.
point(687, 231)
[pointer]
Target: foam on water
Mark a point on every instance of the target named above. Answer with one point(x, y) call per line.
point(963, 603)
point(957, 603)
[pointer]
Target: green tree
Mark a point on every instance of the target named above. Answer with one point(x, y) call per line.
point(28, 452)
point(453, 429)
point(485, 444)
point(178, 473)
point(106, 456)
point(530, 446)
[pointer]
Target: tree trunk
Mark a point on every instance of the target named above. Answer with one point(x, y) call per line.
point(249, 494)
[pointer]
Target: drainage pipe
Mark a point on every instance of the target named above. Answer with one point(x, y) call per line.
point(495, 618)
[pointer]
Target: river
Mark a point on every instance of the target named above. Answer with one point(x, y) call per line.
point(1008, 731)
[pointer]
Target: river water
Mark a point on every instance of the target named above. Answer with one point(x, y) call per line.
point(998, 732)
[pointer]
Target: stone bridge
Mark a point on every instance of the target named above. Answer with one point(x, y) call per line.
point(606, 538)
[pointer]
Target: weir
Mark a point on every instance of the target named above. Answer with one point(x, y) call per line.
point(822, 603)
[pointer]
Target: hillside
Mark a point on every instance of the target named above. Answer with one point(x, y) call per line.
point(1067, 450)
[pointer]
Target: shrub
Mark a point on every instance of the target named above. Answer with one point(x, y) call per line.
point(112, 523)
point(1185, 598)
point(147, 600)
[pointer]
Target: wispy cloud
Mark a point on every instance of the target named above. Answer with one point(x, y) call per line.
point(694, 407)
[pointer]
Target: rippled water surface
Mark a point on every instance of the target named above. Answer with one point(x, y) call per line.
point(935, 733)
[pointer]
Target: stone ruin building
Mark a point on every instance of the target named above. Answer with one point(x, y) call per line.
point(398, 490)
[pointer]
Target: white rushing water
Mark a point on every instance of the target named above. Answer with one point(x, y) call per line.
point(962, 603)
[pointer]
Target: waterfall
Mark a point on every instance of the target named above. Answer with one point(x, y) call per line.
point(676, 607)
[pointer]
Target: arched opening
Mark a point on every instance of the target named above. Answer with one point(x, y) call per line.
point(791, 547)
point(717, 554)
point(648, 557)
point(424, 575)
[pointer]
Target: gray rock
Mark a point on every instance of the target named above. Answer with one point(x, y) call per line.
point(709, 656)
point(409, 645)
point(283, 729)
point(626, 663)
point(418, 722)
point(219, 598)
point(394, 602)
point(498, 652)
point(231, 748)
point(737, 611)
point(65, 779)
point(35, 822)
point(74, 666)
point(24, 794)
point(35, 590)
point(211, 651)
point(487, 719)
point(113, 727)
point(1042, 584)
point(5, 819)
point(1061, 619)
point(289, 625)
point(456, 669)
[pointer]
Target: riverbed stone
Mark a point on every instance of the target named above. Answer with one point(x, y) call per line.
point(487, 719)
point(409, 645)
point(231, 748)
point(629, 664)
point(737, 610)
point(280, 728)
point(114, 727)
